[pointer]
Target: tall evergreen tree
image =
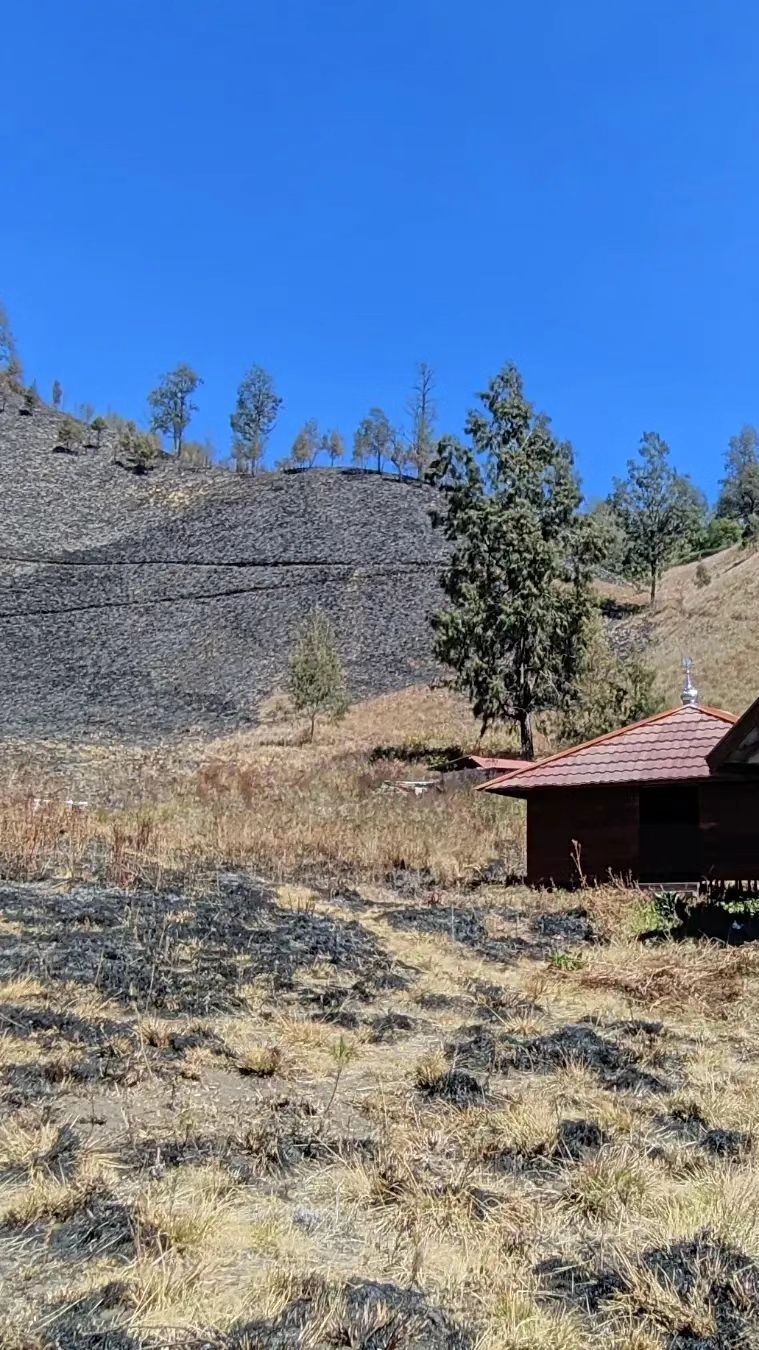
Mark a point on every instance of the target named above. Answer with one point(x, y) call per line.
point(57, 394)
point(520, 604)
point(423, 414)
point(739, 495)
point(172, 405)
point(254, 418)
point(659, 510)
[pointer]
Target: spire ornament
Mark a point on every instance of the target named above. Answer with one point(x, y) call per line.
point(689, 695)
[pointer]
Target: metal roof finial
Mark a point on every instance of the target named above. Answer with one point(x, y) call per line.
point(689, 696)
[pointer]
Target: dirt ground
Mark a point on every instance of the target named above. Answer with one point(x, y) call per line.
point(257, 1115)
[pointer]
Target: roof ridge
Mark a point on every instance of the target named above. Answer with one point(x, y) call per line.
point(601, 740)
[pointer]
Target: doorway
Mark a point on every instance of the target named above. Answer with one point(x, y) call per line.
point(669, 833)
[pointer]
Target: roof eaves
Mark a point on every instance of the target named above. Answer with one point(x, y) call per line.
point(494, 784)
point(733, 737)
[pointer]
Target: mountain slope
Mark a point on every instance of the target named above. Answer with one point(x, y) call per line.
point(717, 625)
point(144, 607)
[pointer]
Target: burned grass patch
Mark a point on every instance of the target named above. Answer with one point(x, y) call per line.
point(698, 1293)
point(378, 1316)
point(176, 954)
point(497, 932)
point(615, 1065)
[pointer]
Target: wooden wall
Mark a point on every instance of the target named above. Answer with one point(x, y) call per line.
point(603, 821)
point(729, 815)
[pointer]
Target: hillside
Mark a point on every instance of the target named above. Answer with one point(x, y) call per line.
point(716, 625)
point(140, 607)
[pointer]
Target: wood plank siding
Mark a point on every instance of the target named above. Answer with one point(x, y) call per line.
point(730, 830)
point(602, 820)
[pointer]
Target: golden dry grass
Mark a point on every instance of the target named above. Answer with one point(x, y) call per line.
point(711, 624)
point(299, 1080)
point(284, 808)
point(514, 1151)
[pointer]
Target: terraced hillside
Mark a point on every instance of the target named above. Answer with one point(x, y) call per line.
point(140, 607)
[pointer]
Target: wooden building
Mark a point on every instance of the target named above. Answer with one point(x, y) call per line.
point(672, 799)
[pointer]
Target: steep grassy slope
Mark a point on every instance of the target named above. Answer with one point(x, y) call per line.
point(142, 607)
point(717, 625)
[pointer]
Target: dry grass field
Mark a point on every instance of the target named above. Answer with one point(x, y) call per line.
point(713, 624)
point(285, 1061)
point(251, 1115)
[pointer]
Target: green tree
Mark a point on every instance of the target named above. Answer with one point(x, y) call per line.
point(70, 436)
point(721, 532)
point(98, 425)
point(423, 415)
point(611, 536)
point(333, 446)
point(518, 583)
point(172, 405)
point(739, 495)
point(612, 691)
point(57, 394)
point(373, 439)
point(659, 510)
point(316, 677)
point(305, 446)
point(254, 418)
point(138, 451)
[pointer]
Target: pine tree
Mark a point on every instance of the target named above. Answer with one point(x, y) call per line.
point(57, 394)
point(423, 413)
point(316, 678)
point(659, 510)
point(520, 605)
point(172, 404)
point(254, 418)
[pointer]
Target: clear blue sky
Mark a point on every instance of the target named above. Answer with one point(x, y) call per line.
point(336, 189)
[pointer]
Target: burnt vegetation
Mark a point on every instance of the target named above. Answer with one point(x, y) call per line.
point(244, 1113)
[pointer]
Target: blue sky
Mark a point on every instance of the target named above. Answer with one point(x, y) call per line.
point(336, 189)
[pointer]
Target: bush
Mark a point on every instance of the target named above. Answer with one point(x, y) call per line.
point(702, 576)
point(317, 681)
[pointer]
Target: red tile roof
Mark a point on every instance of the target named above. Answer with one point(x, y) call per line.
point(670, 746)
point(487, 762)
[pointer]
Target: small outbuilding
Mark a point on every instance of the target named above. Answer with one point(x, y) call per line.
point(672, 799)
